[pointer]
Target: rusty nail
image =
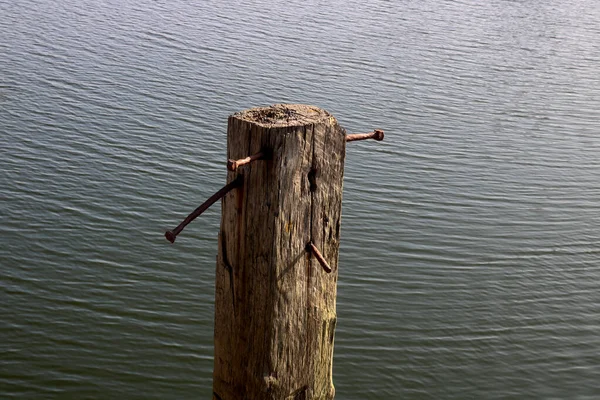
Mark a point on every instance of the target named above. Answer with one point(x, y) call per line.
point(233, 165)
point(172, 235)
point(311, 247)
point(376, 134)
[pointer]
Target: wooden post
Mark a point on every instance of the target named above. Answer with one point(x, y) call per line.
point(275, 311)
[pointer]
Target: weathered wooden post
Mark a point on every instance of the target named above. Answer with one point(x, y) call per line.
point(277, 264)
point(274, 303)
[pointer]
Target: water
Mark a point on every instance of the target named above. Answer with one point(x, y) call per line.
point(470, 240)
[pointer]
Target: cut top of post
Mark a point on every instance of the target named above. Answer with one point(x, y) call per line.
point(280, 115)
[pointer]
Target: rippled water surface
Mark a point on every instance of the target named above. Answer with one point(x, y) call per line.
point(470, 254)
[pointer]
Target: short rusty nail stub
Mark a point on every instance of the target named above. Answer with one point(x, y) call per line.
point(313, 249)
point(233, 165)
point(376, 134)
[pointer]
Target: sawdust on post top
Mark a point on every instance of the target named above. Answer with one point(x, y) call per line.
point(279, 115)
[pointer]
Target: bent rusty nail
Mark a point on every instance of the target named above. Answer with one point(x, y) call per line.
point(172, 235)
point(233, 165)
point(376, 134)
point(310, 246)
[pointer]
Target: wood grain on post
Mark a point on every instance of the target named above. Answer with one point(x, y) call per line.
point(275, 306)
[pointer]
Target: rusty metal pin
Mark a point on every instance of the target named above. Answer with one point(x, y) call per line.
point(233, 165)
point(376, 134)
point(311, 247)
point(172, 235)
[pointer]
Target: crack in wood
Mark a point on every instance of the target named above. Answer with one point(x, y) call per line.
point(229, 269)
point(299, 394)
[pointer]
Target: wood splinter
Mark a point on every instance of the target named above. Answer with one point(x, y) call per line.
point(376, 134)
point(311, 247)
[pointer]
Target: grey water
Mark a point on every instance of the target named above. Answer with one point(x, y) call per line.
point(470, 255)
